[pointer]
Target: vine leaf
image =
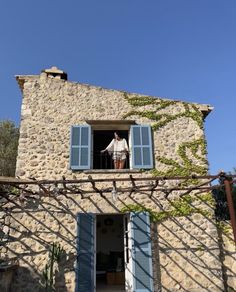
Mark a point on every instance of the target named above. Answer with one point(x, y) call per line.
point(187, 167)
point(176, 208)
point(191, 111)
point(197, 147)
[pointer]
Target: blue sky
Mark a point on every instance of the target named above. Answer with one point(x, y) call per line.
point(180, 49)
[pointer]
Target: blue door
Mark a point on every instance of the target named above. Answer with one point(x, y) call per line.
point(85, 268)
point(141, 252)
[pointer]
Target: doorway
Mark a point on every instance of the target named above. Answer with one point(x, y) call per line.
point(114, 251)
point(110, 266)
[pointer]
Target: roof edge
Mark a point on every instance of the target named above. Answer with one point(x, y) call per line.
point(21, 80)
point(204, 108)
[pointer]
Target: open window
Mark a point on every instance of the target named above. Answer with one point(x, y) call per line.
point(101, 138)
point(89, 139)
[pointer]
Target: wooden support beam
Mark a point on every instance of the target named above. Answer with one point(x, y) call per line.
point(11, 180)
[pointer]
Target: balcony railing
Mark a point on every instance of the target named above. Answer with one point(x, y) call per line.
point(105, 160)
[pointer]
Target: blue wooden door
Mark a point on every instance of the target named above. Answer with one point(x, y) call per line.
point(85, 268)
point(141, 252)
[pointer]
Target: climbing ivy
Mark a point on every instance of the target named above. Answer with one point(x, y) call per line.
point(162, 119)
point(177, 208)
point(207, 198)
point(187, 166)
point(148, 100)
point(182, 207)
point(224, 227)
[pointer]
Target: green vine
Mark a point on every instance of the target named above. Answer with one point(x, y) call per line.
point(197, 147)
point(207, 198)
point(180, 207)
point(162, 119)
point(148, 100)
point(224, 227)
point(194, 146)
point(183, 207)
point(187, 167)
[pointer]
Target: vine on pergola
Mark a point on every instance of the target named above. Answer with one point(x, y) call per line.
point(187, 200)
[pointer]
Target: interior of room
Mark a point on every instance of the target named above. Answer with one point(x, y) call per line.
point(110, 274)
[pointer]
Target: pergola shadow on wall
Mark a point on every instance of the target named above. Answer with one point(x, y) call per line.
point(27, 196)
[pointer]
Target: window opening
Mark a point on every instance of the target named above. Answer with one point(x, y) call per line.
point(101, 139)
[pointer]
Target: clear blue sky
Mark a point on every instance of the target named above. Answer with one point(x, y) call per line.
point(180, 49)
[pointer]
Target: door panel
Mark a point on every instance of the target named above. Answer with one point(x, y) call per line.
point(85, 268)
point(141, 252)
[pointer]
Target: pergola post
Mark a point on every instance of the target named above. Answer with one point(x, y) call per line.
point(227, 180)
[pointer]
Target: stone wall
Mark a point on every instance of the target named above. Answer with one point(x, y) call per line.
point(185, 248)
point(228, 255)
point(186, 254)
point(50, 107)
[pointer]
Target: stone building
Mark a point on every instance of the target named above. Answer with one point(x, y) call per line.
point(116, 241)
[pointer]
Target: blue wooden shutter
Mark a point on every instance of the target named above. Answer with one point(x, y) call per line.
point(141, 139)
point(80, 153)
point(85, 268)
point(141, 252)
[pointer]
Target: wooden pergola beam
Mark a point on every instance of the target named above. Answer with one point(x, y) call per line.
point(12, 180)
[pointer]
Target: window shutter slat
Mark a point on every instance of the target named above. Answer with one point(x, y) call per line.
point(142, 154)
point(85, 253)
point(141, 252)
point(80, 147)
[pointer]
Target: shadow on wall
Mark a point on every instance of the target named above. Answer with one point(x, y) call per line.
point(190, 252)
point(185, 249)
point(22, 275)
point(30, 228)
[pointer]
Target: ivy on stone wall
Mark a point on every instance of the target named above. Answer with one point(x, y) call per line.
point(185, 166)
point(188, 166)
point(180, 207)
point(190, 111)
point(197, 147)
point(225, 228)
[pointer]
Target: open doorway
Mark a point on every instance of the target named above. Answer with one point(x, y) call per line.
point(110, 266)
point(101, 139)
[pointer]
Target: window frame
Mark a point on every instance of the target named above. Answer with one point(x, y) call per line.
point(128, 125)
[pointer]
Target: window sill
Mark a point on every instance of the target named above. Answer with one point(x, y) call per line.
point(89, 171)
